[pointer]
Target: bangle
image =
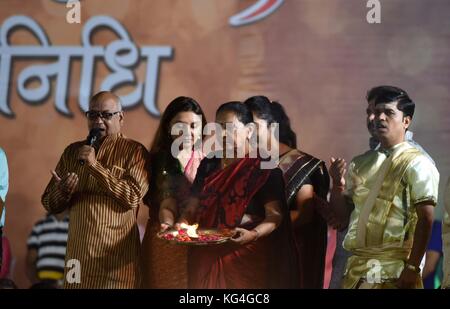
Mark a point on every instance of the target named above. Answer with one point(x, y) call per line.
point(257, 234)
point(413, 268)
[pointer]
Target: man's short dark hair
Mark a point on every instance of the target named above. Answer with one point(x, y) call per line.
point(389, 94)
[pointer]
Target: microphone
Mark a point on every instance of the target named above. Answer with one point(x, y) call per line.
point(92, 138)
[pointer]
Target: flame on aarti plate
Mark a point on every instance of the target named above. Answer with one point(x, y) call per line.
point(191, 230)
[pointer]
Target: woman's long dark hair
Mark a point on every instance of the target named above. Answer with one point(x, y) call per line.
point(163, 139)
point(273, 112)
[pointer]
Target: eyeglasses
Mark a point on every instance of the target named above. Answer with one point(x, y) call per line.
point(92, 115)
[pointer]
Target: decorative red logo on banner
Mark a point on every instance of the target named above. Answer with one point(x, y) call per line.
point(256, 12)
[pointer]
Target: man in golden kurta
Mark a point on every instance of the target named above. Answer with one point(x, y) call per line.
point(102, 186)
point(446, 238)
point(391, 193)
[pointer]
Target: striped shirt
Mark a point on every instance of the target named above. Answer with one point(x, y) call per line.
point(103, 233)
point(49, 238)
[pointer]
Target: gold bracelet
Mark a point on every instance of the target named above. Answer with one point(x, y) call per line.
point(257, 234)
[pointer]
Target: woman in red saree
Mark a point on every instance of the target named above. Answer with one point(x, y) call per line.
point(307, 185)
point(235, 193)
point(164, 265)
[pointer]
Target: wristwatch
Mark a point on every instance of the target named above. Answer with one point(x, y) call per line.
point(413, 268)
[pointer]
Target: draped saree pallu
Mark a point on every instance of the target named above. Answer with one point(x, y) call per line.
point(310, 237)
point(224, 199)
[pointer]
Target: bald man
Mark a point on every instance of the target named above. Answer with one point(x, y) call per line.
point(102, 186)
